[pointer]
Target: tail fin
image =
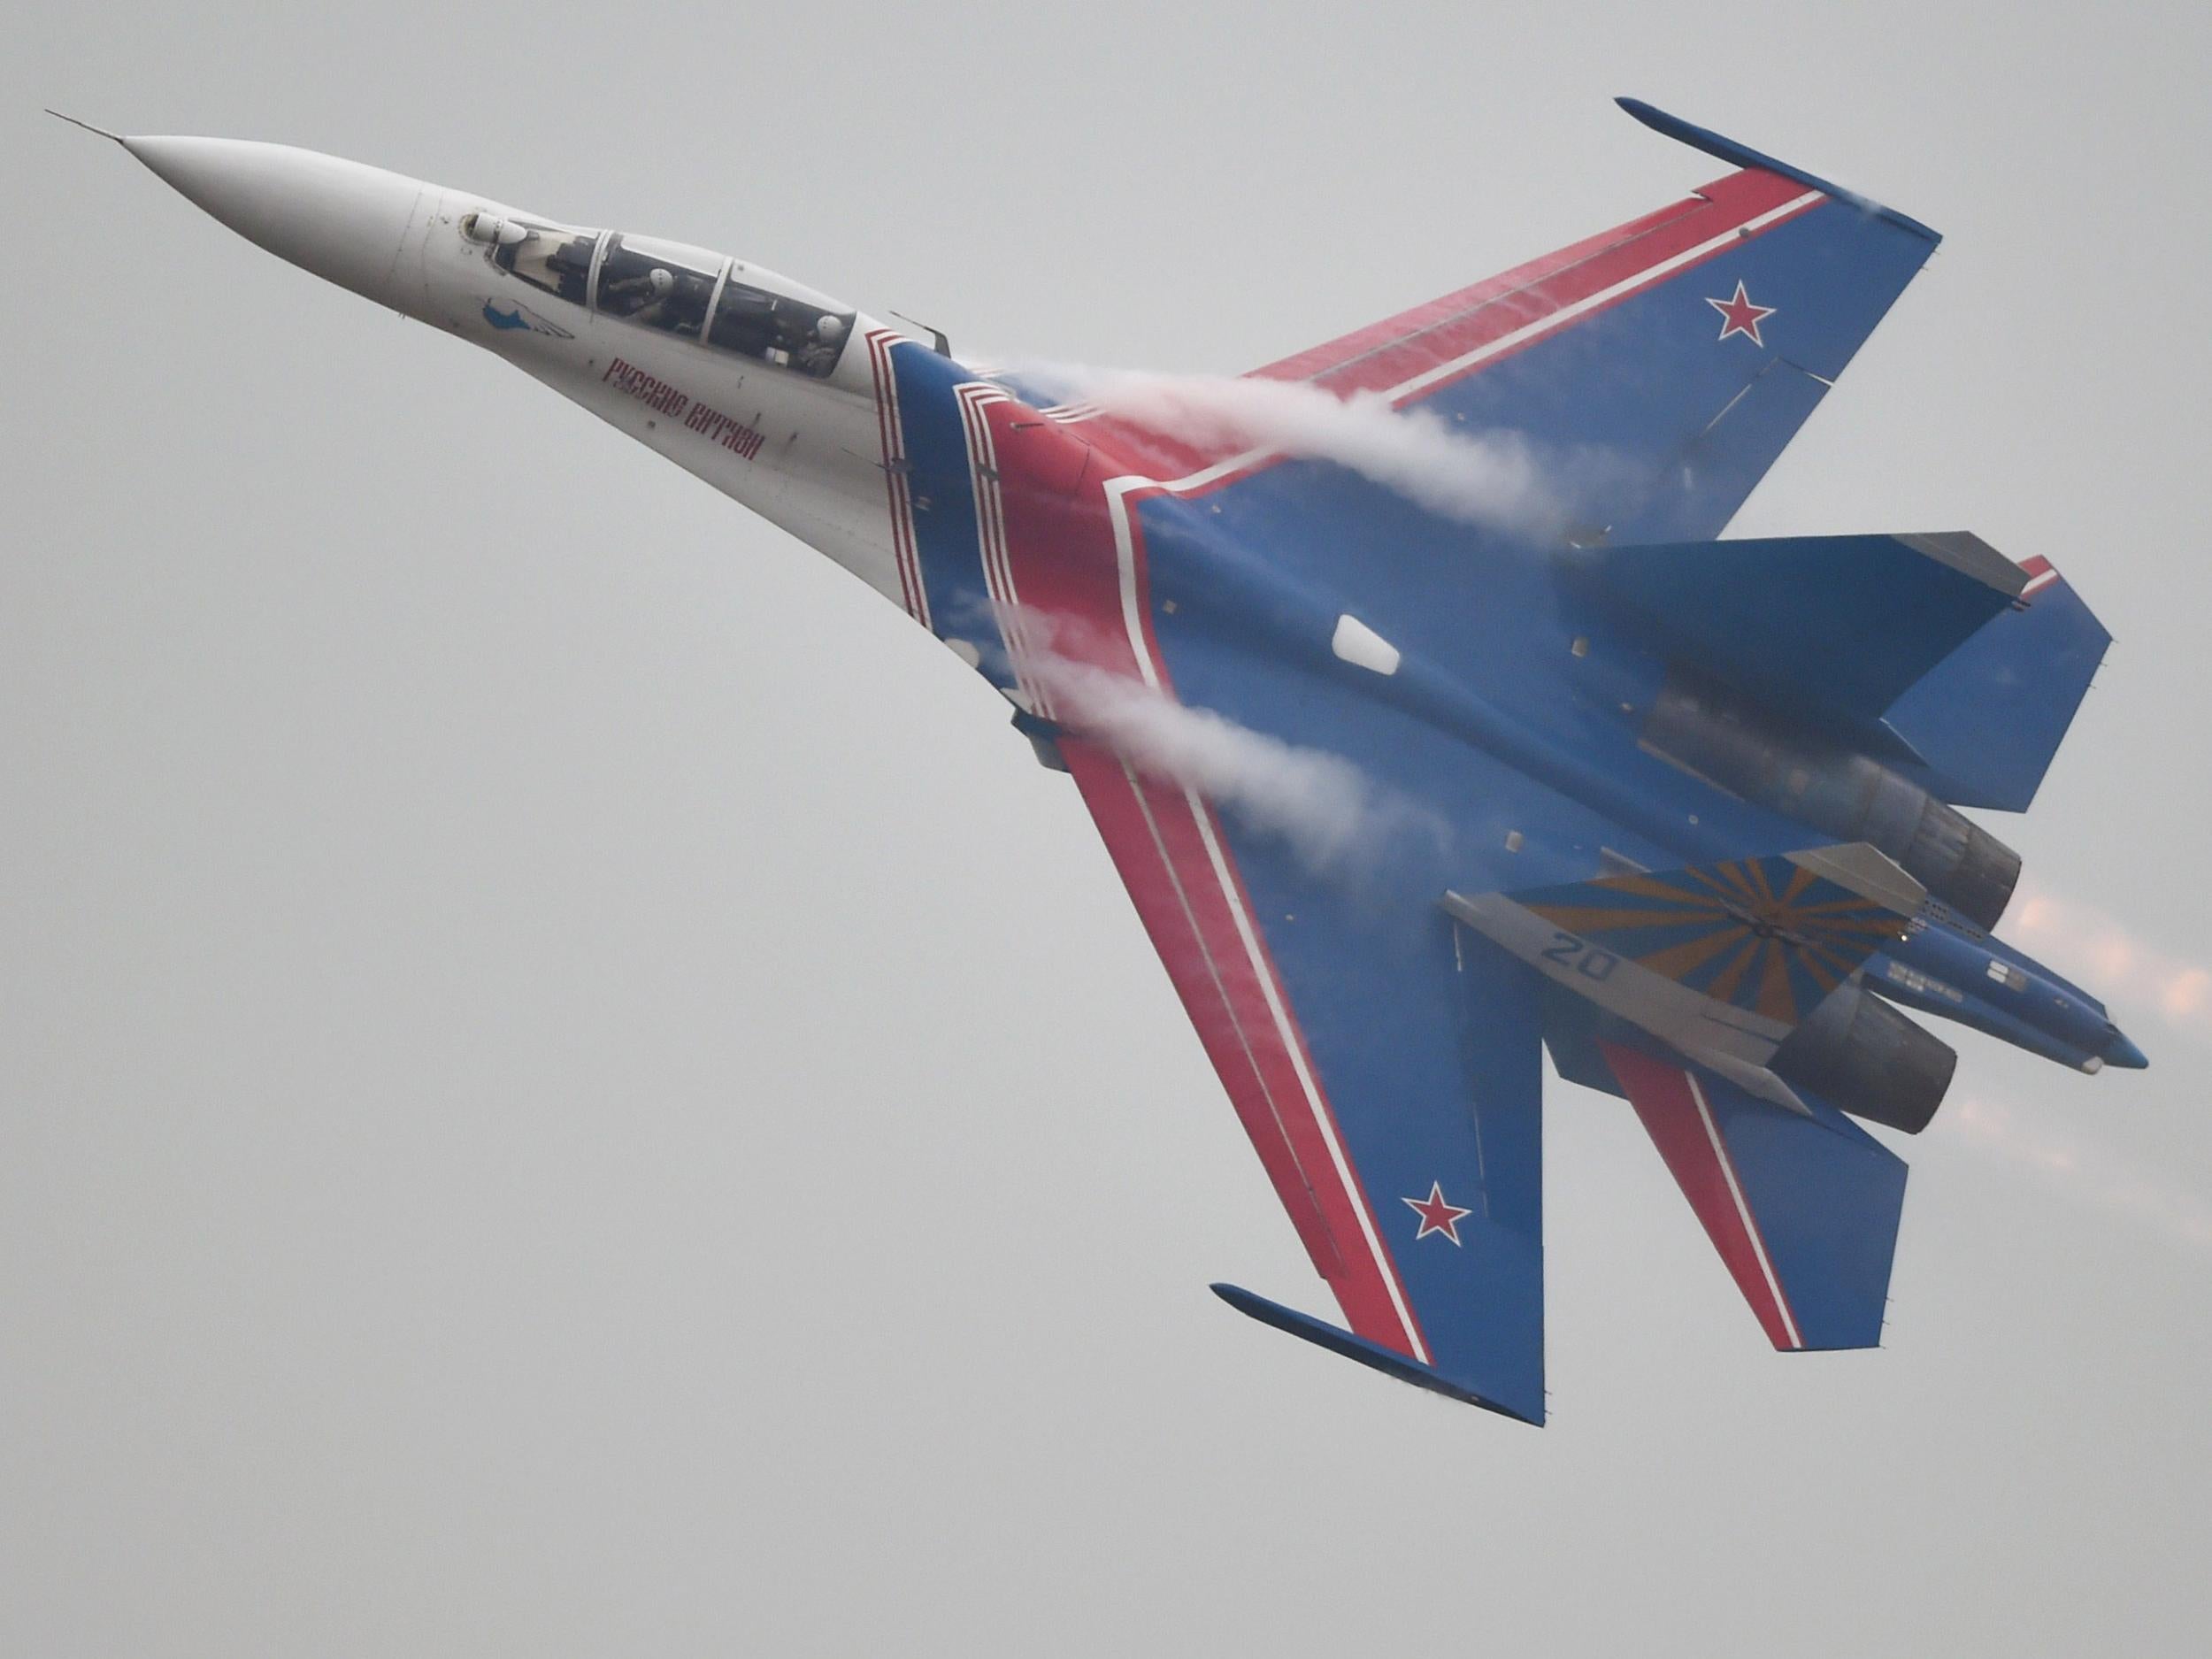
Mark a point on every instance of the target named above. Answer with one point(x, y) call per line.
point(1802, 1209)
point(1990, 716)
point(1841, 623)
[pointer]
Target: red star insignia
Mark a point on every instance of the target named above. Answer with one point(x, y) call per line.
point(1740, 315)
point(1436, 1215)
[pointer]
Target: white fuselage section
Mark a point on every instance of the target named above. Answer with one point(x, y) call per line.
point(771, 392)
point(804, 452)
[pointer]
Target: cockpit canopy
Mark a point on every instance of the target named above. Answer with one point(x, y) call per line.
point(680, 290)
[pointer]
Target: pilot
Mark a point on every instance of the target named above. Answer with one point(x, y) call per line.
point(642, 297)
point(819, 355)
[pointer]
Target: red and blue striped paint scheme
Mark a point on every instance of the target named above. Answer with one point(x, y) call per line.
point(1803, 1210)
point(1410, 357)
point(1006, 541)
point(1029, 536)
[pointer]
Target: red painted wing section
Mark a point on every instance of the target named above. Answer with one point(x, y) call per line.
point(1421, 335)
point(1064, 573)
point(1149, 832)
point(1171, 860)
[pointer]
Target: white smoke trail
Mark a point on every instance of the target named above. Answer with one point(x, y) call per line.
point(2120, 966)
point(1328, 810)
point(2085, 1171)
point(1491, 479)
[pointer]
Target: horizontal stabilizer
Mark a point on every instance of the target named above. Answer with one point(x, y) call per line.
point(1388, 1360)
point(1989, 717)
point(1835, 624)
point(1720, 963)
point(1802, 1209)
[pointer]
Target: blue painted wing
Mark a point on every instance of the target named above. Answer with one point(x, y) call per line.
point(1650, 377)
point(1387, 1070)
point(1664, 364)
point(1657, 369)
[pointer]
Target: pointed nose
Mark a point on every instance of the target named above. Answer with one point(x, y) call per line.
point(350, 224)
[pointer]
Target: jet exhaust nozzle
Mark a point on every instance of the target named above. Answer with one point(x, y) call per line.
point(1862, 1056)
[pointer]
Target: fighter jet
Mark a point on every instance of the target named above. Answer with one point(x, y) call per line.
point(1683, 813)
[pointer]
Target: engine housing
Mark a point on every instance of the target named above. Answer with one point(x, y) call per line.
point(1718, 735)
point(1862, 1056)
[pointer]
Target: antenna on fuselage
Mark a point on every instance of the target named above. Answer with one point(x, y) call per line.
point(942, 345)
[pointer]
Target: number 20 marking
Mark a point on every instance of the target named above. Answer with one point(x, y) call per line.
point(1584, 958)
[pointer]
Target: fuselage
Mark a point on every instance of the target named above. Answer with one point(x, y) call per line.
point(875, 448)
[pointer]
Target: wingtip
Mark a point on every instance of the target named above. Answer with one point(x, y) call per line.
point(1651, 115)
point(1737, 155)
point(1375, 1356)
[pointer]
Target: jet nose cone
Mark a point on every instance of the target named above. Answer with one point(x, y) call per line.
point(2120, 1052)
point(345, 222)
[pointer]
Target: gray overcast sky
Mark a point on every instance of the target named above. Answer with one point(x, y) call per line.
point(566, 1086)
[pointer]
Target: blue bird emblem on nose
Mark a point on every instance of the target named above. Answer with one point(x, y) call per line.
point(514, 315)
